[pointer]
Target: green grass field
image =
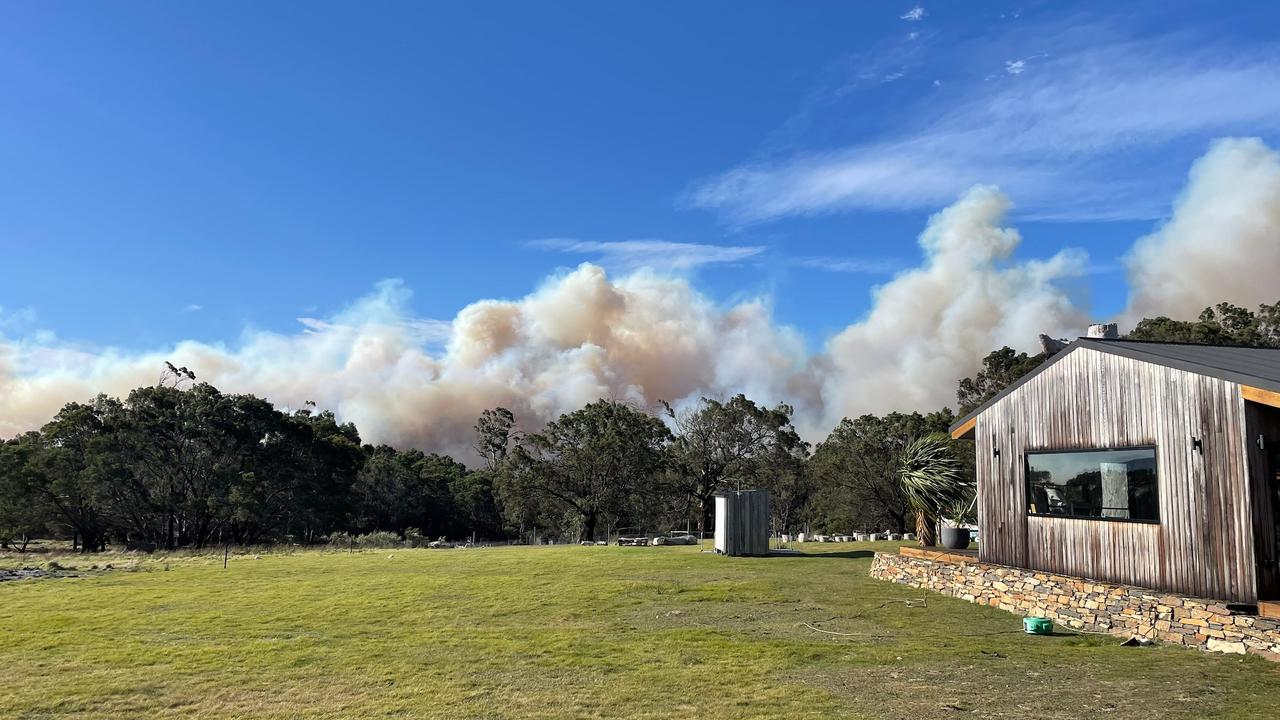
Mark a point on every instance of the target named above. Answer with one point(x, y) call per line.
point(566, 632)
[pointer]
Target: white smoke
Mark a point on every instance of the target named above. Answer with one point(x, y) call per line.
point(932, 325)
point(580, 337)
point(1222, 242)
point(644, 337)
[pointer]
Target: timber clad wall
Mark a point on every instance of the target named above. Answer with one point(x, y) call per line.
point(1203, 544)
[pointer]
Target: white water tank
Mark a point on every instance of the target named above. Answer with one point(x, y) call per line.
point(1104, 331)
point(742, 522)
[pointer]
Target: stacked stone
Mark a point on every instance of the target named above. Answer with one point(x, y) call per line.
point(1088, 605)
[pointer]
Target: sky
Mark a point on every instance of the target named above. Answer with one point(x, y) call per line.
point(237, 177)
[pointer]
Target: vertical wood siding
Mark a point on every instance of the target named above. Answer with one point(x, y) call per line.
point(1203, 544)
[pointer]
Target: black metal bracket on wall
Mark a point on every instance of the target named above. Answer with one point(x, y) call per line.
point(1197, 445)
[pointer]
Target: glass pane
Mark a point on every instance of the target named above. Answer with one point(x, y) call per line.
point(1108, 484)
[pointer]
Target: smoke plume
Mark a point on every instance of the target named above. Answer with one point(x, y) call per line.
point(1223, 241)
point(645, 337)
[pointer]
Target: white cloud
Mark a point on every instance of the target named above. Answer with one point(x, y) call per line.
point(1015, 67)
point(1097, 132)
point(193, 307)
point(914, 14)
point(628, 255)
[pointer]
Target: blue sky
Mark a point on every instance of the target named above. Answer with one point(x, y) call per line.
point(184, 171)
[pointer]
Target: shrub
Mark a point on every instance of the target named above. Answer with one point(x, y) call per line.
point(379, 539)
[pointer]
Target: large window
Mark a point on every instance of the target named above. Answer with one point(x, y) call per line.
point(1102, 484)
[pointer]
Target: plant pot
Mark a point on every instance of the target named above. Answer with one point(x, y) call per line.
point(954, 538)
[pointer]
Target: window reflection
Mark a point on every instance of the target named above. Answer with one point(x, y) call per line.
point(1103, 484)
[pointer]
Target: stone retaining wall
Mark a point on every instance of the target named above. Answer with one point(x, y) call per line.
point(1088, 605)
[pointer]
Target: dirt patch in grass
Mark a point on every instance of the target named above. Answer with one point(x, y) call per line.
point(33, 573)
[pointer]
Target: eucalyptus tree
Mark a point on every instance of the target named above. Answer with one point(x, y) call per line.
point(495, 429)
point(407, 489)
point(729, 445)
point(593, 464)
point(24, 511)
point(76, 466)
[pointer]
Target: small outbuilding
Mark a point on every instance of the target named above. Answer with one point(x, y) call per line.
point(1138, 463)
point(742, 522)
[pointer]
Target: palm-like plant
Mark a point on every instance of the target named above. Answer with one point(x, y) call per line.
point(932, 480)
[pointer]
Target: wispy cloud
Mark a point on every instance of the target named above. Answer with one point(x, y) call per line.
point(914, 14)
point(627, 255)
point(851, 265)
point(426, 331)
point(16, 320)
point(1089, 135)
point(193, 307)
point(383, 309)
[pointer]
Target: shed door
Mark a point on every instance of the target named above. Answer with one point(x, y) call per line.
point(1263, 425)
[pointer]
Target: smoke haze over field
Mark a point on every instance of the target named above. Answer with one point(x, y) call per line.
point(645, 337)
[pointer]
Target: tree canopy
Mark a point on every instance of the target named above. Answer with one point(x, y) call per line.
point(600, 463)
point(183, 464)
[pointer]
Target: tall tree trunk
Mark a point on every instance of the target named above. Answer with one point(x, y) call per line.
point(899, 519)
point(708, 508)
point(925, 528)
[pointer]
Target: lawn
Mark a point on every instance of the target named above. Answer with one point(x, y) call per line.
point(566, 632)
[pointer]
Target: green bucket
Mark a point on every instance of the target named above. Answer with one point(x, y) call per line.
point(1037, 625)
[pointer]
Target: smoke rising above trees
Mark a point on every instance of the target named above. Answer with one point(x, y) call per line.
point(643, 337)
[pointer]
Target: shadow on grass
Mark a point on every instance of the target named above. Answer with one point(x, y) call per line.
point(852, 554)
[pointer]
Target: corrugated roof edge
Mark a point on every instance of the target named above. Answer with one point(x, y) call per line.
point(1117, 347)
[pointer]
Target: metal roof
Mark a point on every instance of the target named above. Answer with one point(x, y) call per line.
point(1253, 366)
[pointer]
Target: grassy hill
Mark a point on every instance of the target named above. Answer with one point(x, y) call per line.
point(565, 632)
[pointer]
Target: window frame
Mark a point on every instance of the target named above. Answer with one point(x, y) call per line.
point(1026, 482)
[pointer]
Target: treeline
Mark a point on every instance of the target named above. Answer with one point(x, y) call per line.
point(182, 464)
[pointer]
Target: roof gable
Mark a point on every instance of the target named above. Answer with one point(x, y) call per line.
point(1250, 366)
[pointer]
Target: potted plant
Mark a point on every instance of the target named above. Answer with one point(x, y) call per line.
point(955, 536)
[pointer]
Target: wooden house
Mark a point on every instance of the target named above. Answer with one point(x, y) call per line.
point(1148, 464)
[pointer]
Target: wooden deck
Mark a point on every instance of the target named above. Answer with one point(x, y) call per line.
point(939, 554)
